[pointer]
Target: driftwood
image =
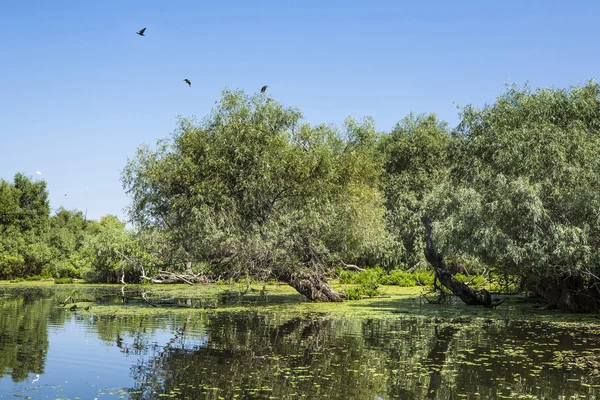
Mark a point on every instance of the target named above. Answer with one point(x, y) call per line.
point(171, 277)
point(465, 293)
point(352, 267)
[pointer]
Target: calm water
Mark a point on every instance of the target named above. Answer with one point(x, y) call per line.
point(51, 352)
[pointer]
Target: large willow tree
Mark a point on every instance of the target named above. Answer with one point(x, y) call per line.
point(253, 191)
point(526, 192)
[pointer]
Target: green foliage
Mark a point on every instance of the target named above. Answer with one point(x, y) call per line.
point(424, 277)
point(367, 287)
point(400, 278)
point(24, 219)
point(64, 245)
point(378, 276)
point(253, 190)
point(416, 159)
point(113, 253)
point(530, 183)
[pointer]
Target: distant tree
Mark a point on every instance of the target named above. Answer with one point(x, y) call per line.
point(68, 229)
point(112, 252)
point(24, 223)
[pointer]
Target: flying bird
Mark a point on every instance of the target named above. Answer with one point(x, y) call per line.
point(38, 172)
point(264, 88)
point(188, 82)
point(141, 32)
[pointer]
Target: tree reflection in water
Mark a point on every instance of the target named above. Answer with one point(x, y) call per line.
point(246, 355)
point(270, 354)
point(24, 320)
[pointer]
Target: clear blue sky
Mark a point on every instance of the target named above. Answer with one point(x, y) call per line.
point(79, 90)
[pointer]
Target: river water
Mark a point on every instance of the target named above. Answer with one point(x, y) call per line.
point(48, 351)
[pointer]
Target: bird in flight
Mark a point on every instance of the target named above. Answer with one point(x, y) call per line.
point(141, 32)
point(188, 82)
point(264, 88)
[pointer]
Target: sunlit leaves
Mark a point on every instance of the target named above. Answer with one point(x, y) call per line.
point(252, 188)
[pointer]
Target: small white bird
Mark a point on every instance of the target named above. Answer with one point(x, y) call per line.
point(37, 378)
point(38, 172)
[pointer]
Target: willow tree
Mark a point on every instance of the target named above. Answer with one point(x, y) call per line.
point(253, 191)
point(526, 196)
point(416, 159)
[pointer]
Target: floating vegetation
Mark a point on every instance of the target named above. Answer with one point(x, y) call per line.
point(284, 347)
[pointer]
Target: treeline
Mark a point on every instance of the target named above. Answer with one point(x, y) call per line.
point(253, 191)
point(35, 244)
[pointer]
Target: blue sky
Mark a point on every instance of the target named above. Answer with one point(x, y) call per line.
point(79, 90)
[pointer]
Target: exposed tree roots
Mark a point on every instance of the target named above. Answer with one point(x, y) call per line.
point(569, 293)
point(312, 285)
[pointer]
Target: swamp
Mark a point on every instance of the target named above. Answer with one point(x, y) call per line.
point(209, 342)
point(265, 257)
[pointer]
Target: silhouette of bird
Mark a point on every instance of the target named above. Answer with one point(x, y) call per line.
point(264, 88)
point(141, 32)
point(188, 82)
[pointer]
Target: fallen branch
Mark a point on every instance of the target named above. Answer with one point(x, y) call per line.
point(166, 277)
point(352, 267)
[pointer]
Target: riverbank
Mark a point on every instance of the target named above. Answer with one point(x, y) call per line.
point(393, 301)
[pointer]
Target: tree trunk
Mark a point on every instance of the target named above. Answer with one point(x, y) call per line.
point(466, 294)
point(571, 293)
point(312, 285)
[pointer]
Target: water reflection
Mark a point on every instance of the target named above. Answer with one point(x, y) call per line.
point(255, 354)
point(24, 319)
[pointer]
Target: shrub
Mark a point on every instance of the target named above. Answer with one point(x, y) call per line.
point(424, 277)
point(68, 271)
point(60, 281)
point(357, 292)
point(400, 278)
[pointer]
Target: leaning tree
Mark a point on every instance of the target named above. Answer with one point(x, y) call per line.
point(525, 198)
point(253, 191)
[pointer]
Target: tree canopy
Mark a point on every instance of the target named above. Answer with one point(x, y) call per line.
point(252, 190)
